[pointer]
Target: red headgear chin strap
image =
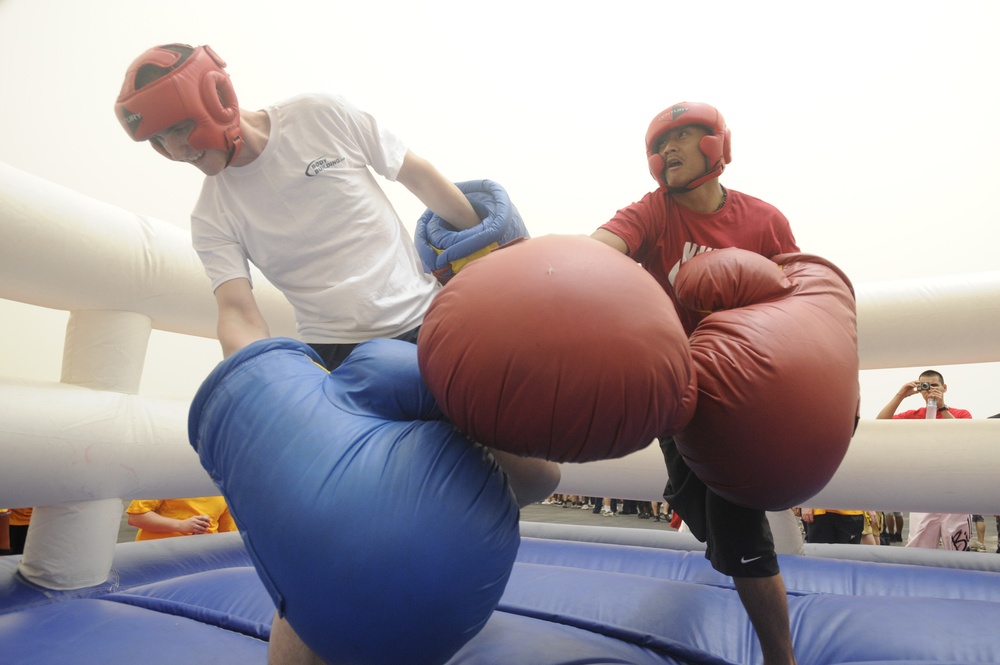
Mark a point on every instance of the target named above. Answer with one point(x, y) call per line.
point(196, 88)
point(716, 146)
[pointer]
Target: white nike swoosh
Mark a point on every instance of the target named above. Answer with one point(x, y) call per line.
point(746, 560)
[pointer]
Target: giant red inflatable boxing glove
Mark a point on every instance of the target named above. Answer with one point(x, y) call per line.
point(777, 363)
point(558, 347)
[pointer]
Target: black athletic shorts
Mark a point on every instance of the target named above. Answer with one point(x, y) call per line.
point(739, 539)
point(334, 354)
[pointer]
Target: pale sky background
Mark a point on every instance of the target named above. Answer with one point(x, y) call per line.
point(869, 124)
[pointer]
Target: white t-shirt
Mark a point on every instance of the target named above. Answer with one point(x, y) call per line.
point(311, 216)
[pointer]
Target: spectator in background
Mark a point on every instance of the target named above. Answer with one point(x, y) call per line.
point(894, 527)
point(996, 517)
point(20, 518)
point(929, 385)
point(874, 523)
point(168, 518)
point(833, 526)
point(927, 530)
point(979, 544)
point(5, 532)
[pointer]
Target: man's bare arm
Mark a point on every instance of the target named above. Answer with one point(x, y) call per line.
point(240, 320)
point(610, 239)
point(437, 192)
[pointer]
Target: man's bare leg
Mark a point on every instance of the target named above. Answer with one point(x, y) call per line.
point(766, 603)
point(285, 647)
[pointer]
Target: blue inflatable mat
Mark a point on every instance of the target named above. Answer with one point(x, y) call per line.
point(188, 600)
point(177, 600)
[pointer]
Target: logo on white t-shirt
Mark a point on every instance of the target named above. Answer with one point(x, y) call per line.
point(320, 164)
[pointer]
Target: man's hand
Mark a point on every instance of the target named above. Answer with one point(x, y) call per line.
point(195, 524)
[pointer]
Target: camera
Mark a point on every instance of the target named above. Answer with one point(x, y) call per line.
point(924, 386)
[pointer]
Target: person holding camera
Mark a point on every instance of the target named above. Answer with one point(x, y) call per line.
point(927, 529)
point(930, 385)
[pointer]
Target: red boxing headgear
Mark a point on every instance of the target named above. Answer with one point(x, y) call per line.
point(716, 146)
point(194, 87)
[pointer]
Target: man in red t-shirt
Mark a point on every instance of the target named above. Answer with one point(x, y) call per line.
point(935, 389)
point(952, 530)
point(688, 146)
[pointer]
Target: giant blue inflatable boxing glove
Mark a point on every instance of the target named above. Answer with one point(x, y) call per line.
point(382, 534)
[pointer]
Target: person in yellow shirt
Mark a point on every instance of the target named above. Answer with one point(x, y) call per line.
point(17, 531)
point(168, 518)
point(4, 531)
point(833, 526)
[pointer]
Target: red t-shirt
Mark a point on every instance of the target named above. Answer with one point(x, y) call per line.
point(661, 235)
point(921, 413)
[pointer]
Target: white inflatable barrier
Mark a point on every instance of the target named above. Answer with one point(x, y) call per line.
point(960, 480)
point(62, 250)
point(77, 448)
point(926, 322)
point(67, 452)
point(65, 443)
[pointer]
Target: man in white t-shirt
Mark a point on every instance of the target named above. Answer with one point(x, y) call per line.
point(290, 189)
